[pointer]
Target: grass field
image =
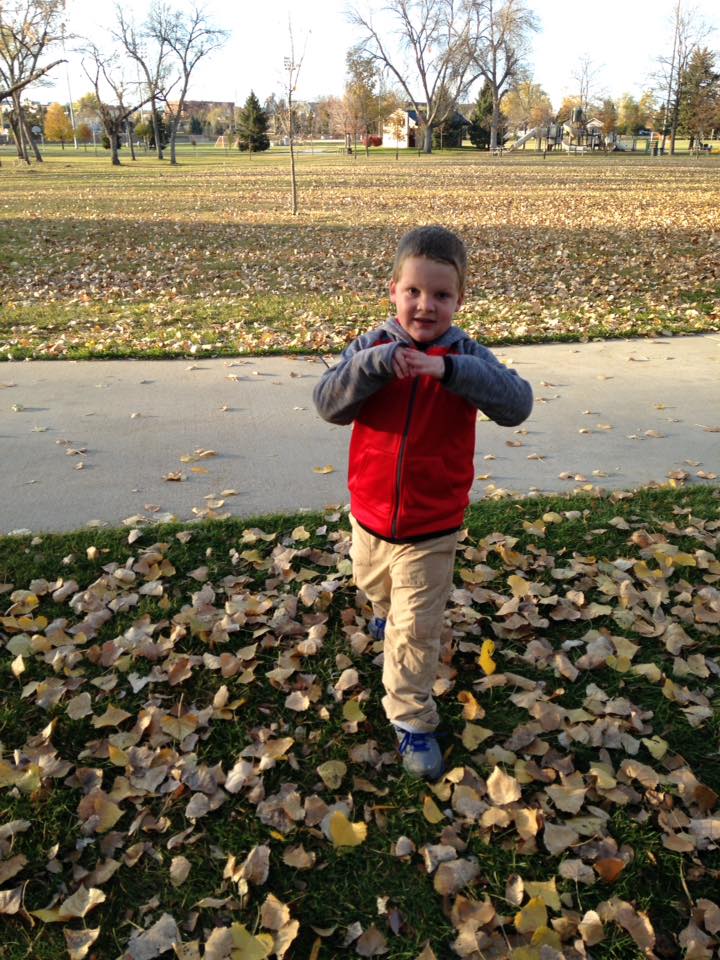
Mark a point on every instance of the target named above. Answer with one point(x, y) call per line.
point(192, 748)
point(149, 260)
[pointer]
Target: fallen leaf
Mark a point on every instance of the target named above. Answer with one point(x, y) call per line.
point(343, 833)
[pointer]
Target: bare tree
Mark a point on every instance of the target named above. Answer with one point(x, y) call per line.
point(102, 71)
point(585, 75)
point(6, 93)
point(27, 29)
point(689, 31)
point(292, 65)
point(190, 37)
point(437, 39)
point(150, 54)
point(502, 29)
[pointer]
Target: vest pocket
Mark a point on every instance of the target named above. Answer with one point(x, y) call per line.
point(427, 491)
point(372, 485)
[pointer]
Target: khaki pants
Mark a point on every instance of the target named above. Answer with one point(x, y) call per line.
point(409, 584)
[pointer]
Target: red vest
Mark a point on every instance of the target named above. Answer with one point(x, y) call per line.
point(411, 458)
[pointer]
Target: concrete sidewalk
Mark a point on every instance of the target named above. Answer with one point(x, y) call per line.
point(96, 441)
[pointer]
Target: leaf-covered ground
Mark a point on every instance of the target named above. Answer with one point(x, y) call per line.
point(155, 261)
point(193, 757)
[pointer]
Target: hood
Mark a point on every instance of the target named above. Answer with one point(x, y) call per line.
point(396, 332)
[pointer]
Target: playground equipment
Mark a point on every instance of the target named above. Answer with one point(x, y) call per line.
point(576, 135)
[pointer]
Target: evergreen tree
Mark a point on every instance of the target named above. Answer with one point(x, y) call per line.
point(700, 96)
point(252, 124)
point(481, 119)
point(450, 132)
point(196, 127)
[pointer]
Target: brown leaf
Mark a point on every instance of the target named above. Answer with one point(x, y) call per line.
point(153, 942)
point(609, 868)
point(372, 943)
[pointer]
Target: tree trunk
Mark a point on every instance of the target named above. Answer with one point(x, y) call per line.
point(293, 179)
point(495, 124)
point(427, 139)
point(675, 119)
point(173, 134)
point(113, 133)
point(156, 130)
point(129, 135)
point(19, 136)
point(31, 140)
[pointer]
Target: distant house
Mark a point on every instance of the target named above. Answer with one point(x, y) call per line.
point(400, 129)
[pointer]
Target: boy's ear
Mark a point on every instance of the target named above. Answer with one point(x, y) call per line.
point(393, 290)
point(461, 299)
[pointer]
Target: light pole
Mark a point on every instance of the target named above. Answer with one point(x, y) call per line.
point(67, 78)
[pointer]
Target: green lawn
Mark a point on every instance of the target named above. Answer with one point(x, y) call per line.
point(173, 695)
point(151, 260)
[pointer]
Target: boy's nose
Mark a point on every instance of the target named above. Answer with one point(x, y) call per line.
point(426, 303)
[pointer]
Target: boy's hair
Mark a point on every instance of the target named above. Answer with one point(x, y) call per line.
point(435, 243)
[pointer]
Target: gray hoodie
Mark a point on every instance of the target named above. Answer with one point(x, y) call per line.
point(472, 372)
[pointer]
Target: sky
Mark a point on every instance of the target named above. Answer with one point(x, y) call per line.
point(623, 39)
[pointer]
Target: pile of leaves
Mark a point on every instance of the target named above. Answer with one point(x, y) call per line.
point(193, 758)
point(205, 258)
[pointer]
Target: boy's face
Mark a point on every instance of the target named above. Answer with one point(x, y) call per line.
point(426, 295)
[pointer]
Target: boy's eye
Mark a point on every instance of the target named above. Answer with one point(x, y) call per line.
point(443, 295)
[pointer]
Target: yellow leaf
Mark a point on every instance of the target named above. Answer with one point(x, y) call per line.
point(544, 936)
point(431, 811)
point(485, 659)
point(99, 810)
point(179, 727)
point(651, 671)
point(525, 953)
point(532, 916)
point(248, 947)
point(351, 711)
point(326, 469)
point(332, 773)
point(618, 664)
point(117, 756)
point(473, 735)
point(519, 586)
point(300, 533)
point(343, 833)
point(471, 708)
point(656, 745)
point(547, 892)
point(112, 717)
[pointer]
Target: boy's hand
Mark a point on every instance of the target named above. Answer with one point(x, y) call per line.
point(400, 362)
point(414, 363)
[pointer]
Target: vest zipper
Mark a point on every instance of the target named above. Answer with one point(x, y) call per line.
point(401, 455)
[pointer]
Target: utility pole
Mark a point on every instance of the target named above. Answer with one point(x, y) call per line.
point(67, 78)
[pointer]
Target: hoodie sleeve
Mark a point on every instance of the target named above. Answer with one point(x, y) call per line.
point(498, 391)
point(362, 370)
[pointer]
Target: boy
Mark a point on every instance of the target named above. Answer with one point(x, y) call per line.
point(412, 389)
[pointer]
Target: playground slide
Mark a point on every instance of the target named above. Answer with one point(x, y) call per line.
point(530, 135)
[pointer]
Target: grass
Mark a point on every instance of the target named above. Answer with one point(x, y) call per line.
point(344, 886)
point(148, 260)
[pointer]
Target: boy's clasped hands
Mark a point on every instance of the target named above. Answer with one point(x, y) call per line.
point(409, 362)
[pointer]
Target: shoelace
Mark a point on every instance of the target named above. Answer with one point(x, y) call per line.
point(417, 742)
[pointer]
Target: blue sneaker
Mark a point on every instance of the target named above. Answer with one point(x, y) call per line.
point(376, 628)
point(421, 754)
